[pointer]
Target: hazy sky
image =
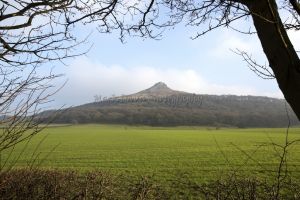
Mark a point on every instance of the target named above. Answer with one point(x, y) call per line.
point(203, 66)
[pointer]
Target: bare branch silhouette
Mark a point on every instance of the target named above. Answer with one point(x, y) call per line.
point(262, 71)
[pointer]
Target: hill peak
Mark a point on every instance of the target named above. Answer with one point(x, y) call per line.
point(159, 89)
point(160, 86)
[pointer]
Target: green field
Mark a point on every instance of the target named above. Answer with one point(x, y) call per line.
point(204, 153)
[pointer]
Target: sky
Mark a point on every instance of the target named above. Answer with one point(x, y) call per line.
point(206, 65)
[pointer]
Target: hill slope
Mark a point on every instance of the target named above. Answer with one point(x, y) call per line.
point(162, 106)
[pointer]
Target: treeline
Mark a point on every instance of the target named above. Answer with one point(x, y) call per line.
point(200, 110)
point(173, 101)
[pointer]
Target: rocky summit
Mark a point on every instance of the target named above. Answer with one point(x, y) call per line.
point(159, 89)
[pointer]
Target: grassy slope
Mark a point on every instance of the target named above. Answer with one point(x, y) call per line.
point(161, 151)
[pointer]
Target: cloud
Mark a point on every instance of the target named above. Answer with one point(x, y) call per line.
point(230, 41)
point(87, 78)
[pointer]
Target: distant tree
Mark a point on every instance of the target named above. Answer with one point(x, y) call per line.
point(34, 32)
point(97, 98)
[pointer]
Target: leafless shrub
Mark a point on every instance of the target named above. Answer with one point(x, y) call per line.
point(49, 184)
point(146, 188)
point(53, 184)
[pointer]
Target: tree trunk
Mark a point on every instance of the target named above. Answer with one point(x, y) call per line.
point(279, 50)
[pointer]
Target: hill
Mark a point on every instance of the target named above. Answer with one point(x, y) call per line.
point(161, 106)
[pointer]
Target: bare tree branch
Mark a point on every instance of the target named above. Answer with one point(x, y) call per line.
point(262, 71)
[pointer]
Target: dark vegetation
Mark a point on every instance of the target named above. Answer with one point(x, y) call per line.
point(53, 184)
point(182, 109)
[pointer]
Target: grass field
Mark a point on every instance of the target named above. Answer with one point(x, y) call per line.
point(204, 153)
